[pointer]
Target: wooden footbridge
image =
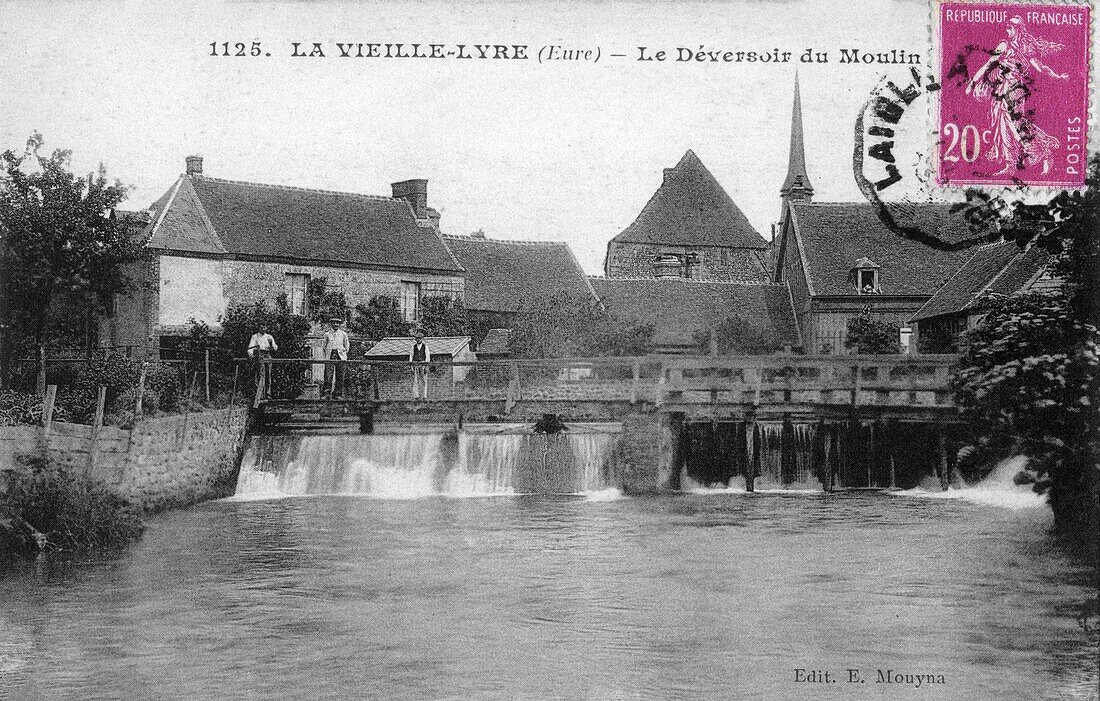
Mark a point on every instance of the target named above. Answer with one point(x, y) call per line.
point(803, 388)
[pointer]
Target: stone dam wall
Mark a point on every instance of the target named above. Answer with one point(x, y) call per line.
point(164, 462)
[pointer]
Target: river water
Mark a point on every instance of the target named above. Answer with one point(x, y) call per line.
point(719, 595)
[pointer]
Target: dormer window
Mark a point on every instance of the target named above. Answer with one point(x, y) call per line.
point(865, 274)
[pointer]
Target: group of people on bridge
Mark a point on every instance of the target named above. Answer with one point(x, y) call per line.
point(335, 347)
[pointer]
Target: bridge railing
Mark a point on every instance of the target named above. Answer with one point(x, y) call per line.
point(790, 379)
point(810, 379)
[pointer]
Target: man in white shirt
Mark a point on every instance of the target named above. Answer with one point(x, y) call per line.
point(336, 346)
point(261, 346)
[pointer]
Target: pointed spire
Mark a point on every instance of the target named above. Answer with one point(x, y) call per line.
point(797, 185)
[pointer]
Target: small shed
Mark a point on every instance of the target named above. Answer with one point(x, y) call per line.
point(445, 349)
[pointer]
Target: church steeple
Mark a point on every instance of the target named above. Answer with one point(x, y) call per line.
point(797, 186)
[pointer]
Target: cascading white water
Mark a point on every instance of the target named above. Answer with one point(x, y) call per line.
point(410, 466)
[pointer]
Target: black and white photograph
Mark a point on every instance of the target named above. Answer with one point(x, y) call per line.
point(610, 350)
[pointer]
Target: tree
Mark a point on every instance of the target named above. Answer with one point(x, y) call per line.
point(867, 334)
point(736, 336)
point(567, 325)
point(379, 318)
point(443, 316)
point(1028, 378)
point(58, 242)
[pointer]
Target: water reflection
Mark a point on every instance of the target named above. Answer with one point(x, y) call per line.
point(698, 596)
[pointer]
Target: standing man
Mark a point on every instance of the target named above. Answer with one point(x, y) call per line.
point(260, 347)
point(335, 348)
point(419, 356)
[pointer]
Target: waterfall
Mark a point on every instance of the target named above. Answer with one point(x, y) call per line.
point(410, 466)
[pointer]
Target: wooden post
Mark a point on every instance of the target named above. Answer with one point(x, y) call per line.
point(47, 408)
point(637, 380)
point(259, 385)
point(750, 451)
point(941, 445)
point(97, 425)
point(140, 392)
point(207, 374)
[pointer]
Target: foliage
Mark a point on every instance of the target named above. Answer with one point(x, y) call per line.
point(867, 334)
point(289, 330)
point(936, 338)
point(325, 304)
point(1027, 379)
point(443, 316)
point(1026, 383)
point(737, 336)
point(114, 371)
point(566, 325)
point(58, 241)
point(47, 508)
point(379, 318)
point(1065, 226)
point(24, 408)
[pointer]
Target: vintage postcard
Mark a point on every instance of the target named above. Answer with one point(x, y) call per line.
point(730, 349)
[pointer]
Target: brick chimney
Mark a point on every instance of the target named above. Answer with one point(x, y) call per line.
point(415, 192)
point(194, 165)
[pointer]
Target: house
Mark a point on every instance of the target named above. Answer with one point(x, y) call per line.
point(690, 228)
point(840, 260)
point(996, 269)
point(683, 312)
point(395, 380)
point(217, 243)
point(502, 277)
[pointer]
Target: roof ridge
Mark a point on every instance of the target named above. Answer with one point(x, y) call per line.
point(744, 283)
point(475, 239)
point(296, 188)
point(866, 203)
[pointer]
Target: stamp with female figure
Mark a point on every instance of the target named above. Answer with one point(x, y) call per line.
point(1014, 98)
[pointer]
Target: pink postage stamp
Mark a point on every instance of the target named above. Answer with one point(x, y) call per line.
point(1014, 100)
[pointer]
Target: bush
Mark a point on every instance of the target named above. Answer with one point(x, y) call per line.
point(565, 325)
point(379, 318)
point(869, 335)
point(443, 316)
point(118, 373)
point(50, 509)
point(736, 336)
point(1027, 383)
point(23, 408)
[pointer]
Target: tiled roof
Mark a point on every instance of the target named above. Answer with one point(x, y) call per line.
point(443, 346)
point(495, 342)
point(1000, 268)
point(502, 276)
point(209, 215)
point(833, 236)
point(691, 209)
point(678, 308)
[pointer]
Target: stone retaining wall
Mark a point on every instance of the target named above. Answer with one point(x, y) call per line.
point(160, 463)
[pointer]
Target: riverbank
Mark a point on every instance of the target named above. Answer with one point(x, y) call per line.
point(70, 485)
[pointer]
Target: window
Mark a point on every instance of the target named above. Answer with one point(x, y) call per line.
point(410, 300)
point(297, 293)
point(866, 280)
point(865, 274)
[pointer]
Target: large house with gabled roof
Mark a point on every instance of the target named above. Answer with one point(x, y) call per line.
point(218, 243)
point(690, 228)
point(840, 260)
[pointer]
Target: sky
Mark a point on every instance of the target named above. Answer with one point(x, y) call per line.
point(559, 150)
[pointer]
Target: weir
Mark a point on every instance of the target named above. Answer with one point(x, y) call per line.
point(783, 420)
point(500, 460)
